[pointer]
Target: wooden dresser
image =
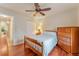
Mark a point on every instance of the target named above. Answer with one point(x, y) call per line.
point(68, 39)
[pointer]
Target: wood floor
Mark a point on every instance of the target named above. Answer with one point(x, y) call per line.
point(19, 51)
point(57, 51)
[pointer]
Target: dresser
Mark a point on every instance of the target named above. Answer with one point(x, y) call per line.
point(68, 39)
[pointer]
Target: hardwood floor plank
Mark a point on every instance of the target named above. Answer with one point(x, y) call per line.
point(20, 51)
point(57, 51)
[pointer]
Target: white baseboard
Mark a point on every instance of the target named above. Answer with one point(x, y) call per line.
point(14, 44)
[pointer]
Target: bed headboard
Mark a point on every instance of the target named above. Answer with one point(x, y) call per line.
point(50, 30)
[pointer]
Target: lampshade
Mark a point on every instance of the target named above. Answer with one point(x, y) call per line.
point(38, 17)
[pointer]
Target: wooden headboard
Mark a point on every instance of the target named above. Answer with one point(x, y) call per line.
point(50, 30)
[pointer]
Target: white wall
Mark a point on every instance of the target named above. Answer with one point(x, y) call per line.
point(19, 25)
point(78, 16)
point(66, 18)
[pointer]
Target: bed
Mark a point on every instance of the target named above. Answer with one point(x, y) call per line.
point(41, 44)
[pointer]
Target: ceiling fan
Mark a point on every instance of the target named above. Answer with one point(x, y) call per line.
point(38, 9)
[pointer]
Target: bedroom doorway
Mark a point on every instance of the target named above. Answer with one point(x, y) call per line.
point(5, 35)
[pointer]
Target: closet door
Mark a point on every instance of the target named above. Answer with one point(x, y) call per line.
point(5, 35)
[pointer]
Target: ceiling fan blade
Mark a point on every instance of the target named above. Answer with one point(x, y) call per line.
point(45, 9)
point(30, 10)
point(42, 13)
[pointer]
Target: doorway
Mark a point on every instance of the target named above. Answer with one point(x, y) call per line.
point(5, 35)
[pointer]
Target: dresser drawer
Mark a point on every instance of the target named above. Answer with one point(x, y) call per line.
point(66, 30)
point(67, 48)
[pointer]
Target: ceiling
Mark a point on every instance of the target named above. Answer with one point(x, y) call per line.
point(21, 7)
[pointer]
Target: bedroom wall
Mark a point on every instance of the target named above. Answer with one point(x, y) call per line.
point(66, 18)
point(78, 16)
point(19, 25)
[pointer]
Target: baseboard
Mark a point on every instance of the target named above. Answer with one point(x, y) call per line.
point(15, 44)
